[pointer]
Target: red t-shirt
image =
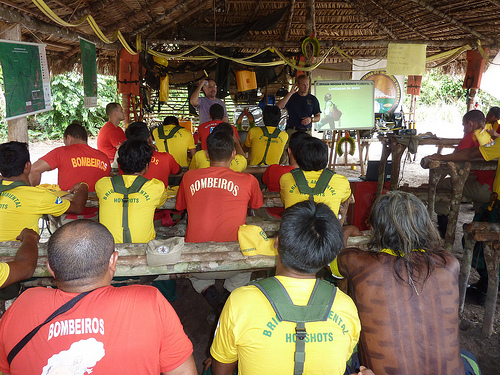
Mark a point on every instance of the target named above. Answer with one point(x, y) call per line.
point(206, 128)
point(162, 165)
point(483, 177)
point(125, 330)
point(76, 163)
point(216, 199)
point(108, 138)
point(271, 178)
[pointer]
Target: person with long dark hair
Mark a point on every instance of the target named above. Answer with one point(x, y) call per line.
point(406, 291)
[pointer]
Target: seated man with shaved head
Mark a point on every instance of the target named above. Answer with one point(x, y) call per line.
point(126, 330)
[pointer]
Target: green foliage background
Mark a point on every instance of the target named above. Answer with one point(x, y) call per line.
point(68, 101)
point(443, 100)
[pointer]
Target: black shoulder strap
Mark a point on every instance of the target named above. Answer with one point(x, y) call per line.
point(270, 137)
point(119, 187)
point(171, 133)
point(11, 186)
point(303, 186)
point(317, 309)
point(61, 310)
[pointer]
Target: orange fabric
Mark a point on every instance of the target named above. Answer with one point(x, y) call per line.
point(128, 81)
point(126, 330)
point(475, 67)
point(162, 165)
point(216, 199)
point(483, 177)
point(77, 163)
point(108, 138)
point(271, 178)
point(206, 128)
point(413, 85)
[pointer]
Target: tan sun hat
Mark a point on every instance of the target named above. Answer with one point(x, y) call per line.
point(164, 252)
point(253, 241)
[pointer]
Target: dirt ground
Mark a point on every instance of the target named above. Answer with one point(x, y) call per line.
point(193, 309)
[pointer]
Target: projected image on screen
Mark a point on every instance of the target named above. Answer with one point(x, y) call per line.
point(345, 105)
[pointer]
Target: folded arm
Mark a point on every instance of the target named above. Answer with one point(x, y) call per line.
point(465, 154)
point(80, 191)
point(37, 169)
point(24, 264)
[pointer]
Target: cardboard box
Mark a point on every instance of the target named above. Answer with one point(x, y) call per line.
point(246, 80)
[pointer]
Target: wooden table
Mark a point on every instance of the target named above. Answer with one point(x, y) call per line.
point(252, 169)
point(196, 257)
point(391, 145)
point(459, 172)
point(271, 199)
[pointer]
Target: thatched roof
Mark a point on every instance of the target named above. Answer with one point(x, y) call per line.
point(359, 28)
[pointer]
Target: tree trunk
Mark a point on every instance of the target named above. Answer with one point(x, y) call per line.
point(18, 128)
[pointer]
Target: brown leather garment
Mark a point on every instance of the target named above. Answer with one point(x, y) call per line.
point(402, 332)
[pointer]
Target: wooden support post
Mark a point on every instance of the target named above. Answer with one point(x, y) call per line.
point(397, 154)
point(360, 151)
point(469, 243)
point(470, 99)
point(458, 177)
point(289, 20)
point(17, 128)
point(492, 259)
point(337, 134)
point(434, 178)
point(386, 151)
point(310, 17)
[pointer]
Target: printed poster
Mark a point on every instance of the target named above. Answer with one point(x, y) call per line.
point(89, 64)
point(406, 59)
point(387, 87)
point(26, 78)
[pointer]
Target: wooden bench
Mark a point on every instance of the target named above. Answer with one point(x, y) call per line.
point(489, 233)
point(271, 199)
point(195, 257)
point(459, 172)
point(179, 229)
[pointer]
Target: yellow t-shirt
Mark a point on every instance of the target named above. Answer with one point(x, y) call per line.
point(23, 206)
point(141, 208)
point(490, 152)
point(178, 145)
point(249, 332)
point(200, 160)
point(257, 142)
point(337, 190)
point(4, 272)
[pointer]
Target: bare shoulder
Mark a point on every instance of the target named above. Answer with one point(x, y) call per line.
point(452, 262)
point(351, 254)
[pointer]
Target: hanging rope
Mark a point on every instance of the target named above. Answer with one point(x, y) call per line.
point(447, 56)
